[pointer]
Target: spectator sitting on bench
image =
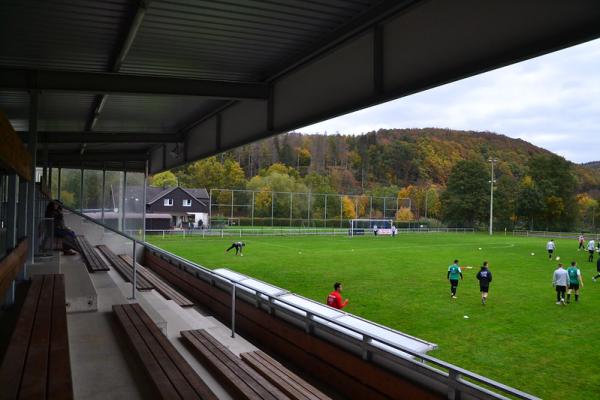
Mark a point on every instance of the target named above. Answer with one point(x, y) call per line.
point(54, 211)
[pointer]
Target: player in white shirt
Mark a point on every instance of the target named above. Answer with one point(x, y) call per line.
point(581, 242)
point(591, 249)
point(550, 246)
point(560, 281)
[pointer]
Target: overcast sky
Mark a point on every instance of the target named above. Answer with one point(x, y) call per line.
point(552, 101)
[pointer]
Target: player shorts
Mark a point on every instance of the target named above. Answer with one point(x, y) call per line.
point(574, 286)
point(591, 252)
point(550, 251)
point(454, 282)
point(484, 289)
point(560, 288)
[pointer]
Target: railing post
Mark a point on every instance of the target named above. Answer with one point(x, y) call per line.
point(232, 309)
point(32, 148)
point(366, 342)
point(453, 390)
point(309, 323)
point(133, 287)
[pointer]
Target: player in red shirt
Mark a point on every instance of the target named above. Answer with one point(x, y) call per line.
point(335, 298)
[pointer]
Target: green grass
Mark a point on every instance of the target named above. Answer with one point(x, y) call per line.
point(520, 338)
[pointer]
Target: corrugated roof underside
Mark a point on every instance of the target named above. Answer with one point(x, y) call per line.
point(71, 35)
point(15, 105)
point(233, 39)
point(152, 113)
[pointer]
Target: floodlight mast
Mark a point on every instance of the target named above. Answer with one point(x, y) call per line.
point(492, 181)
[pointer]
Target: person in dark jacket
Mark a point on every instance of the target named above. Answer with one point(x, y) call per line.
point(238, 246)
point(54, 210)
point(485, 278)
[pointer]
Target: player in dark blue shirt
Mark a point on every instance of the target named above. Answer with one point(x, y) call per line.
point(238, 246)
point(485, 278)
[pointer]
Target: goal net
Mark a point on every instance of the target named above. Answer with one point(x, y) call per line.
point(233, 222)
point(370, 226)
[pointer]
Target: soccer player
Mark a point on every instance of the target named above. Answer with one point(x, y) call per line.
point(575, 281)
point(335, 298)
point(597, 270)
point(591, 249)
point(484, 276)
point(238, 246)
point(550, 246)
point(581, 242)
point(559, 281)
point(454, 272)
point(375, 230)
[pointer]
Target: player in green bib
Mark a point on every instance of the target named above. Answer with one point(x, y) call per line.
point(454, 272)
point(575, 281)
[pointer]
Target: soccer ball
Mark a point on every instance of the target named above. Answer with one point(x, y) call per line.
point(533, 254)
point(480, 248)
point(557, 258)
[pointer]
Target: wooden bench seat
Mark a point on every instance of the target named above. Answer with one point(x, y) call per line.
point(166, 290)
point(241, 381)
point(171, 375)
point(288, 382)
point(93, 261)
point(37, 364)
point(125, 269)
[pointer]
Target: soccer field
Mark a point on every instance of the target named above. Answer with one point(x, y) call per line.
point(520, 338)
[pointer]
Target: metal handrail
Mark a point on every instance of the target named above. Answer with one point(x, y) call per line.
point(454, 373)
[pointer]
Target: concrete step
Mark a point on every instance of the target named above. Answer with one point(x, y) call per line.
point(80, 293)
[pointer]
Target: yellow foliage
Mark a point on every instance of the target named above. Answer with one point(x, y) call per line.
point(527, 182)
point(349, 211)
point(404, 214)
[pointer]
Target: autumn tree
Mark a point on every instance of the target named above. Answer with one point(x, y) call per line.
point(465, 201)
point(165, 179)
point(530, 201)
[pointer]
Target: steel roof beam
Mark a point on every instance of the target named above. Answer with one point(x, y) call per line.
point(109, 156)
point(107, 137)
point(121, 54)
point(115, 83)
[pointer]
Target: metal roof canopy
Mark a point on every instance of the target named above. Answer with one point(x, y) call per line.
point(125, 82)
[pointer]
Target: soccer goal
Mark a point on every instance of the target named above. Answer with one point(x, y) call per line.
point(233, 222)
point(370, 226)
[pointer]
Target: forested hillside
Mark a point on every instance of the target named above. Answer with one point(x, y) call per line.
point(534, 187)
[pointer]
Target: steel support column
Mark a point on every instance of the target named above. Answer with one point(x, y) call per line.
point(58, 186)
point(144, 202)
point(123, 197)
point(81, 192)
point(32, 147)
point(22, 225)
point(103, 196)
point(11, 229)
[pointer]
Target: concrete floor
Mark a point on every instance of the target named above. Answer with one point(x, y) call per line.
point(102, 362)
